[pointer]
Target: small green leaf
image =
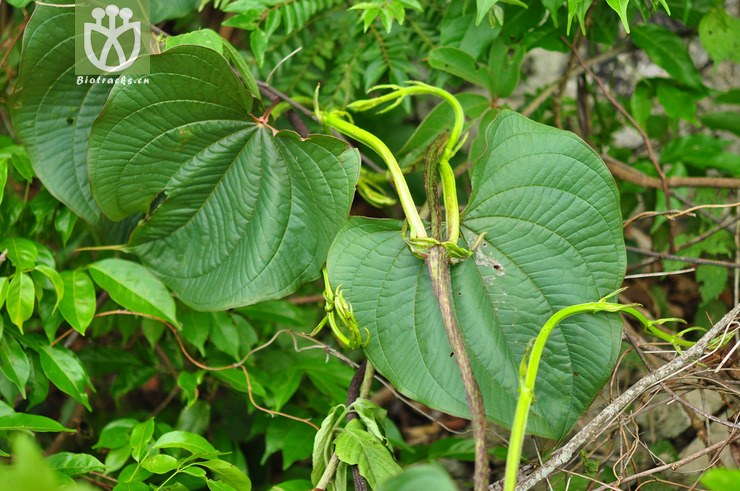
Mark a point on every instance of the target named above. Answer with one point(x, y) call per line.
point(188, 383)
point(218, 486)
point(420, 477)
point(133, 287)
point(293, 439)
point(668, 51)
point(64, 223)
point(191, 442)
point(719, 33)
point(74, 464)
point(620, 7)
point(461, 64)
point(237, 59)
point(141, 435)
point(641, 103)
point(228, 474)
point(4, 282)
point(23, 253)
point(3, 178)
point(678, 102)
point(577, 9)
point(160, 464)
point(162, 10)
point(20, 299)
point(66, 372)
point(722, 479)
point(14, 363)
point(116, 458)
point(203, 37)
point(116, 434)
point(355, 446)
point(506, 62)
point(224, 336)
point(258, 42)
point(325, 436)
point(719, 120)
point(483, 7)
point(373, 417)
point(194, 471)
point(31, 422)
point(713, 281)
point(55, 279)
point(78, 304)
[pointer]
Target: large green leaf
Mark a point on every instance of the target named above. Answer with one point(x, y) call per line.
point(243, 214)
point(51, 113)
point(550, 212)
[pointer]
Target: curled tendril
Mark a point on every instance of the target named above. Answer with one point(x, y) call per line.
point(339, 316)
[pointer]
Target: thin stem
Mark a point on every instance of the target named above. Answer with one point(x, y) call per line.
point(449, 194)
point(334, 120)
point(529, 374)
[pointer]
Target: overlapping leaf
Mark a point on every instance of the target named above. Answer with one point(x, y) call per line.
point(240, 214)
point(51, 113)
point(550, 212)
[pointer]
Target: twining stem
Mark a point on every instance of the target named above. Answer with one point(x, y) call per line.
point(530, 366)
point(439, 270)
point(438, 263)
point(334, 120)
point(328, 475)
point(447, 175)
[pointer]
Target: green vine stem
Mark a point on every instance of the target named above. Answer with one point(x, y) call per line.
point(447, 175)
point(335, 119)
point(531, 362)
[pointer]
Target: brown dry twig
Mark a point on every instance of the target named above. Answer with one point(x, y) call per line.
point(679, 463)
point(625, 172)
point(692, 260)
point(673, 214)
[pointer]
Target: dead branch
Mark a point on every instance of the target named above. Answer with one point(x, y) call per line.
point(627, 173)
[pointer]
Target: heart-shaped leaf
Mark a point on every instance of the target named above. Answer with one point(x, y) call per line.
point(550, 212)
point(51, 113)
point(244, 214)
